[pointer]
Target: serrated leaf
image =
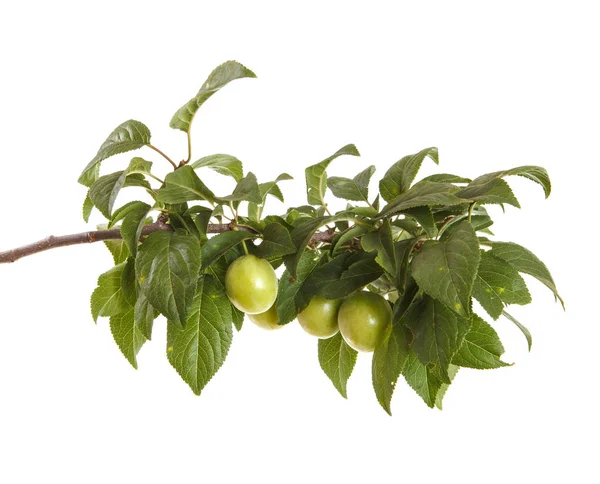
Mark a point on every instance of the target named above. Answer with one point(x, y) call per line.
point(337, 360)
point(401, 174)
point(525, 261)
point(167, 268)
point(446, 178)
point(218, 78)
point(389, 358)
point(199, 350)
point(271, 188)
point(494, 190)
point(422, 194)
point(219, 244)
point(246, 190)
point(276, 242)
point(289, 287)
point(424, 382)
point(238, 317)
point(536, 174)
point(438, 333)
point(481, 347)
point(87, 208)
point(144, 315)
point(108, 298)
point(523, 329)
point(316, 176)
point(498, 283)
point(133, 223)
point(224, 164)
point(452, 371)
point(127, 335)
point(118, 249)
point(128, 136)
point(356, 189)
point(104, 191)
point(446, 269)
point(120, 213)
point(129, 282)
point(183, 185)
point(424, 217)
point(343, 275)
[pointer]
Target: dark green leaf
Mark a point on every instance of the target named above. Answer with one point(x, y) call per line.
point(129, 282)
point(536, 174)
point(438, 333)
point(430, 388)
point(422, 194)
point(219, 244)
point(224, 164)
point(276, 242)
point(424, 217)
point(238, 317)
point(167, 268)
point(246, 189)
point(481, 347)
point(388, 360)
point(120, 213)
point(183, 185)
point(133, 223)
point(523, 329)
point(498, 283)
point(356, 189)
point(289, 287)
point(343, 275)
point(525, 261)
point(494, 190)
point(400, 176)
point(108, 298)
point(337, 360)
point(199, 350)
point(127, 335)
point(104, 191)
point(316, 177)
point(144, 315)
point(347, 236)
point(128, 136)
point(446, 269)
point(218, 78)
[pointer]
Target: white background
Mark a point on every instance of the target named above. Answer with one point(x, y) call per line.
point(492, 84)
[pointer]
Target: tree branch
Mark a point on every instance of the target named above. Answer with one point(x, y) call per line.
point(53, 242)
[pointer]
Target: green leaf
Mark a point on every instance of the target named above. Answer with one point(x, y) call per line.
point(525, 261)
point(199, 350)
point(498, 283)
point(343, 275)
point(167, 268)
point(104, 191)
point(355, 231)
point(356, 189)
point(424, 217)
point(389, 358)
point(445, 178)
point(133, 223)
point(108, 298)
point(523, 329)
point(271, 188)
point(237, 317)
point(128, 136)
point(289, 287)
point(219, 244)
point(127, 335)
point(438, 333)
point(536, 174)
point(420, 378)
point(316, 177)
point(144, 315)
point(400, 176)
point(87, 208)
point(183, 185)
point(481, 347)
point(494, 190)
point(337, 360)
point(446, 269)
point(452, 371)
point(246, 189)
point(118, 250)
point(218, 78)
point(422, 194)
point(129, 282)
point(224, 164)
point(277, 242)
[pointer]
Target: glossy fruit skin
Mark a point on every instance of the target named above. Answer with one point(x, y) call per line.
point(251, 284)
point(267, 320)
point(363, 318)
point(320, 318)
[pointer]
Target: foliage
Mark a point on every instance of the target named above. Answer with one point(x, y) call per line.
point(422, 244)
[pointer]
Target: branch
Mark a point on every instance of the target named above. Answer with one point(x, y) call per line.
point(53, 242)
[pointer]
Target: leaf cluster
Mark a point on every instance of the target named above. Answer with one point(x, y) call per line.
point(425, 245)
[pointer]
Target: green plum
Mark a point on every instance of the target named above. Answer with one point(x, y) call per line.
point(320, 317)
point(251, 284)
point(363, 318)
point(267, 320)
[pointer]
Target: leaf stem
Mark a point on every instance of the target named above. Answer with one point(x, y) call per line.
point(163, 155)
point(189, 143)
